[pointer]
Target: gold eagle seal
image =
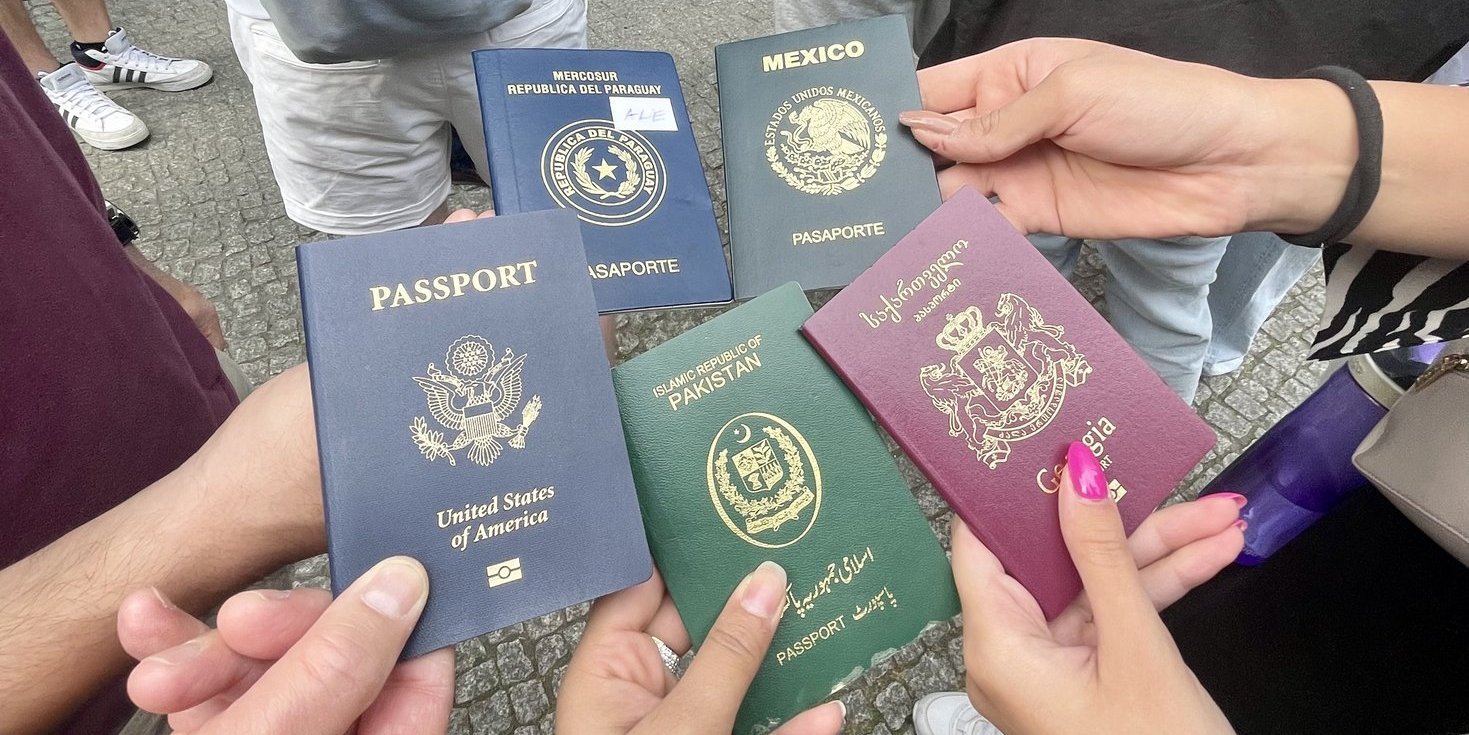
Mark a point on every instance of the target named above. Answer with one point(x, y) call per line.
point(1006, 379)
point(609, 177)
point(825, 140)
point(764, 480)
point(476, 397)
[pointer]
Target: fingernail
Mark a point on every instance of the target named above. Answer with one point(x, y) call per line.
point(395, 587)
point(843, 707)
point(1086, 475)
point(1238, 499)
point(164, 601)
point(179, 654)
point(1242, 524)
point(929, 121)
point(764, 590)
point(271, 594)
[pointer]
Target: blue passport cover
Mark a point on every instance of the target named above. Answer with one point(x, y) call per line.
point(606, 135)
point(465, 417)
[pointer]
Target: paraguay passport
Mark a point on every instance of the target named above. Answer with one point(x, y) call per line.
point(809, 121)
point(985, 364)
point(606, 135)
point(745, 448)
point(465, 417)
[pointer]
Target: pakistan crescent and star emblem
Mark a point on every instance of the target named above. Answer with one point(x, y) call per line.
point(764, 480)
point(826, 141)
point(476, 398)
point(1006, 379)
point(609, 177)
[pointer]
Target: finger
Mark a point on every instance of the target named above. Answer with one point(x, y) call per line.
point(195, 718)
point(264, 624)
point(459, 215)
point(188, 674)
point(214, 332)
point(994, 78)
point(488, 213)
point(824, 720)
point(668, 626)
point(1092, 528)
point(709, 696)
point(994, 605)
point(148, 622)
point(338, 668)
point(416, 698)
point(1044, 112)
point(985, 179)
point(1170, 578)
point(1179, 525)
point(631, 609)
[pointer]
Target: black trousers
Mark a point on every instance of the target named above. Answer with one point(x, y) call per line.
point(1360, 625)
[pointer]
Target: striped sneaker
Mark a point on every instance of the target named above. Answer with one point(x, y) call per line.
point(122, 65)
point(90, 114)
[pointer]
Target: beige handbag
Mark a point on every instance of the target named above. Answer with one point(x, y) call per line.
point(1417, 454)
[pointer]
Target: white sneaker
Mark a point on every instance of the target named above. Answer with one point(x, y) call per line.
point(949, 713)
point(98, 120)
point(122, 65)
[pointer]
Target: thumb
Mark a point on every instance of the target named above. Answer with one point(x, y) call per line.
point(995, 135)
point(709, 696)
point(1094, 535)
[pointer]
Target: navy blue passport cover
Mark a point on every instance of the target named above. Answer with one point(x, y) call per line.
point(821, 178)
point(606, 134)
point(465, 417)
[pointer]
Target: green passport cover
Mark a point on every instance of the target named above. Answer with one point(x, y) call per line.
point(746, 447)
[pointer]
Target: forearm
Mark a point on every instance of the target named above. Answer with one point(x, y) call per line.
point(245, 504)
point(1423, 204)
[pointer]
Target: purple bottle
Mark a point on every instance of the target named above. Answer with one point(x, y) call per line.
point(1301, 467)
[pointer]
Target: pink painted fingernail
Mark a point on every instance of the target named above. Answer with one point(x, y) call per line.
point(1242, 524)
point(1238, 499)
point(1087, 478)
point(929, 121)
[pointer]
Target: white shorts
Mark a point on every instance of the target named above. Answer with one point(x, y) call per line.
point(363, 146)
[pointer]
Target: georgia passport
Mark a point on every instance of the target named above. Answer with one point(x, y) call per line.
point(984, 364)
point(606, 134)
point(809, 122)
point(465, 417)
point(745, 448)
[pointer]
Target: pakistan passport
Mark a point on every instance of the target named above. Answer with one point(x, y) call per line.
point(745, 448)
point(821, 179)
point(465, 417)
point(985, 364)
point(606, 135)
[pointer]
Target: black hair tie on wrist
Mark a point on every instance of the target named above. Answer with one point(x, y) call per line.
point(1367, 174)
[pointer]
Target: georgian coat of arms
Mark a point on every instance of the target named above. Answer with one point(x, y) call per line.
point(1006, 379)
point(476, 398)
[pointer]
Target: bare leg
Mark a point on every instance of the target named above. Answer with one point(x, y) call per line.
point(86, 19)
point(16, 22)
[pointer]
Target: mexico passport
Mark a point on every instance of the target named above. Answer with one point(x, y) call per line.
point(465, 417)
point(746, 448)
point(985, 364)
point(810, 127)
point(605, 134)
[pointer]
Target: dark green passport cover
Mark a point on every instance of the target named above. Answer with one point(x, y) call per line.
point(746, 447)
point(820, 176)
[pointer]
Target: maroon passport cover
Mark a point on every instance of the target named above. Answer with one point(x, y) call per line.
point(984, 364)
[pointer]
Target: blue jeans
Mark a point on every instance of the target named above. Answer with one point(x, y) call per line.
point(1157, 298)
point(1255, 274)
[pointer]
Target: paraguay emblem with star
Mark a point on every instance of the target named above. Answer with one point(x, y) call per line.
point(607, 176)
point(474, 398)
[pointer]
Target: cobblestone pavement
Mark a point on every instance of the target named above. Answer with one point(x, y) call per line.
point(202, 190)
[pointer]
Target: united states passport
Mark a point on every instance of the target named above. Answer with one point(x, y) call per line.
point(465, 417)
point(747, 448)
point(606, 135)
point(820, 177)
point(985, 364)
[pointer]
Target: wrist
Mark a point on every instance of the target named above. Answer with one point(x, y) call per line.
point(1303, 157)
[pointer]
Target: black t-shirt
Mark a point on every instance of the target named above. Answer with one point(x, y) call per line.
point(1403, 40)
